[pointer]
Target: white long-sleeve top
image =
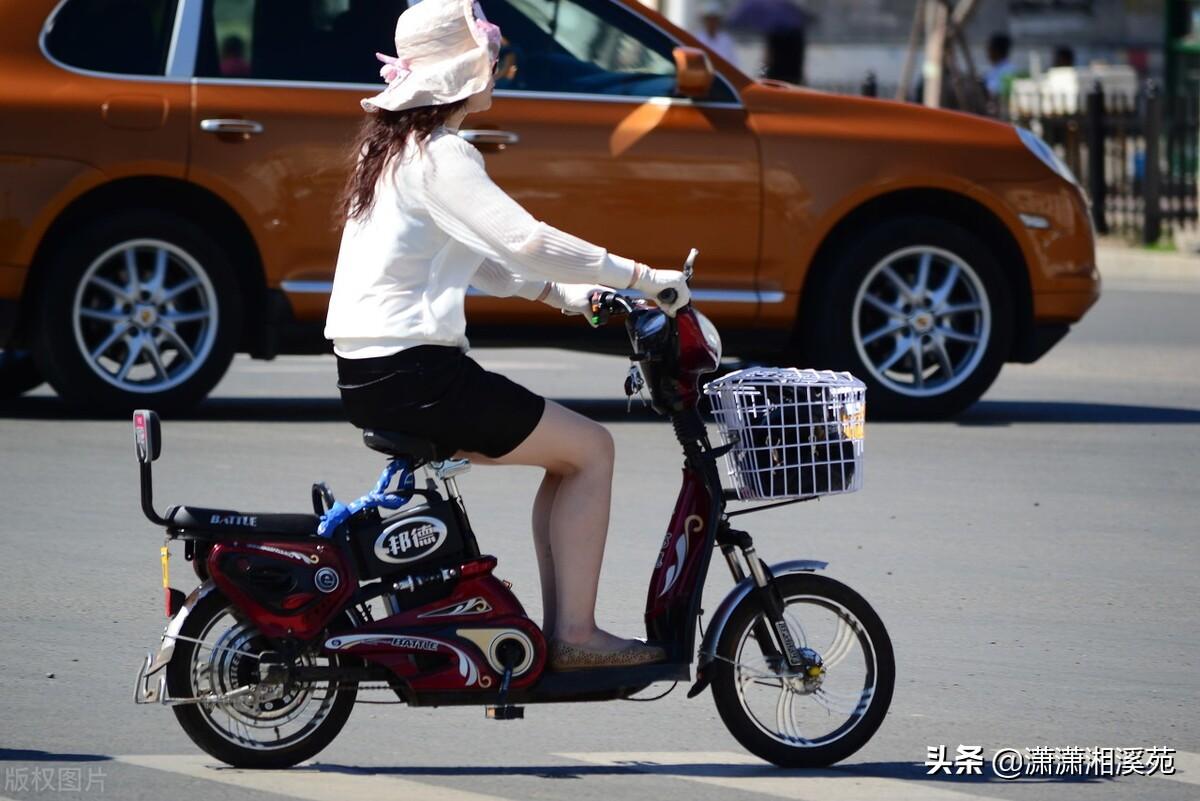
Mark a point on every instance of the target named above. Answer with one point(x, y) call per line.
point(439, 225)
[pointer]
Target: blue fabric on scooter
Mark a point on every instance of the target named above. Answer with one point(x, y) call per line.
point(339, 513)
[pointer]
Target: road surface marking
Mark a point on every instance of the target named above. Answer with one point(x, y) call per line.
point(750, 774)
point(304, 781)
point(1187, 768)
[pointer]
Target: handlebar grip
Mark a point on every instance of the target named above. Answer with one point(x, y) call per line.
point(668, 296)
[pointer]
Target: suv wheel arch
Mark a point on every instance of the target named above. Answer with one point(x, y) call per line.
point(176, 197)
point(939, 203)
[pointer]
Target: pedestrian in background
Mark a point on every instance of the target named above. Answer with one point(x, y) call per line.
point(1000, 71)
point(784, 27)
point(1064, 56)
point(713, 35)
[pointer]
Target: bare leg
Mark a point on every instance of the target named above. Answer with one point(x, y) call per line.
point(543, 504)
point(579, 454)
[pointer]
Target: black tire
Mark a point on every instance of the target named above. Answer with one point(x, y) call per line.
point(59, 344)
point(18, 374)
point(203, 733)
point(741, 722)
point(831, 338)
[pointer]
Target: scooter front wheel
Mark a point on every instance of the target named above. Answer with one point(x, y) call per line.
point(240, 721)
point(813, 717)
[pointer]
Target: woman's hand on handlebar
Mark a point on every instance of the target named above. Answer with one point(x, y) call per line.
point(667, 288)
point(573, 298)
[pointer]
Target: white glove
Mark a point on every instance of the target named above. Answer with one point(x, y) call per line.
point(572, 298)
point(652, 282)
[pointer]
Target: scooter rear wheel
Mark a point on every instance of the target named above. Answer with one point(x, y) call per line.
point(792, 718)
point(287, 727)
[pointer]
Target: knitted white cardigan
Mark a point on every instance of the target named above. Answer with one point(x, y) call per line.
point(439, 225)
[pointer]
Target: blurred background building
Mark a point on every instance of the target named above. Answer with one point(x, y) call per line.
point(848, 38)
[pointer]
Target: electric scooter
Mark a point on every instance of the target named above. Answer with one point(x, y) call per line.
point(297, 614)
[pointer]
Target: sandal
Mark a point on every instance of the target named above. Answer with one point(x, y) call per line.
point(565, 656)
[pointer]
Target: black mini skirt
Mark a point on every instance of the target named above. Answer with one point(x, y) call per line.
point(439, 393)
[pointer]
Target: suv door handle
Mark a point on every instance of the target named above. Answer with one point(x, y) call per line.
point(488, 137)
point(245, 127)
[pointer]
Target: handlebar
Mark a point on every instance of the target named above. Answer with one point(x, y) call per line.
point(668, 296)
point(604, 304)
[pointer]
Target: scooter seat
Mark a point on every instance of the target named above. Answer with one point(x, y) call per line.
point(227, 524)
point(399, 445)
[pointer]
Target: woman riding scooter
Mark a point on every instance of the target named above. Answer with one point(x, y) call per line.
point(423, 222)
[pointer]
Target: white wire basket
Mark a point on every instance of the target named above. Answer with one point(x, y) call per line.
point(795, 433)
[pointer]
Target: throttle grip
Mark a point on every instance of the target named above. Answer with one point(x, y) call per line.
point(668, 296)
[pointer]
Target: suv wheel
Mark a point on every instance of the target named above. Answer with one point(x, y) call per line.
point(18, 374)
point(920, 311)
point(138, 309)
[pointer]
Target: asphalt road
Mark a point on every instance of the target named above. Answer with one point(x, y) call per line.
point(1035, 562)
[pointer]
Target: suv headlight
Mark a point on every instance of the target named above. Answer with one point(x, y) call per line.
point(1045, 154)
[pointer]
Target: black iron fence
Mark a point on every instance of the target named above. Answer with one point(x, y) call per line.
point(1137, 154)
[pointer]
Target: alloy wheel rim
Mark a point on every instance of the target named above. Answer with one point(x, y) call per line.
point(145, 316)
point(845, 692)
point(921, 321)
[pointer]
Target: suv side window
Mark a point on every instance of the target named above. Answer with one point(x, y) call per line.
point(296, 40)
point(128, 37)
point(584, 47)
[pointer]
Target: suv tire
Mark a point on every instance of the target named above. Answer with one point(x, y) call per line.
point(920, 310)
point(18, 374)
point(140, 308)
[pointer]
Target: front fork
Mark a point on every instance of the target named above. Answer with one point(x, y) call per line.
point(771, 631)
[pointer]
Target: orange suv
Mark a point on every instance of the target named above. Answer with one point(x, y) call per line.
point(168, 170)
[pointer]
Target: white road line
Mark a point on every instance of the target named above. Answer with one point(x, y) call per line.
point(304, 781)
point(748, 774)
point(1187, 768)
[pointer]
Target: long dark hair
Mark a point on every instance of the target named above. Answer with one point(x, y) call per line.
point(383, 135)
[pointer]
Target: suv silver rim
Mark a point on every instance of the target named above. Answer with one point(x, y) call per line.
point(145, 316)
point(922, 321)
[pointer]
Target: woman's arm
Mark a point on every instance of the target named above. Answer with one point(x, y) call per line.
point(465, 203)
point(496, 280)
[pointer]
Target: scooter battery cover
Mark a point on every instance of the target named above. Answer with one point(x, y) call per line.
point(429, 535)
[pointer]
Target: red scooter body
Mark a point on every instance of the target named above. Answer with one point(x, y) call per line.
point(288, 588)
point(674, 588)
point(452, 644)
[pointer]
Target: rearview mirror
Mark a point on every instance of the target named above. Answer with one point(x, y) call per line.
point(693, 72)
point(147, 435)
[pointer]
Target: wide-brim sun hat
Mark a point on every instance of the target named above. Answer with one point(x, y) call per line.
point(445, 52)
